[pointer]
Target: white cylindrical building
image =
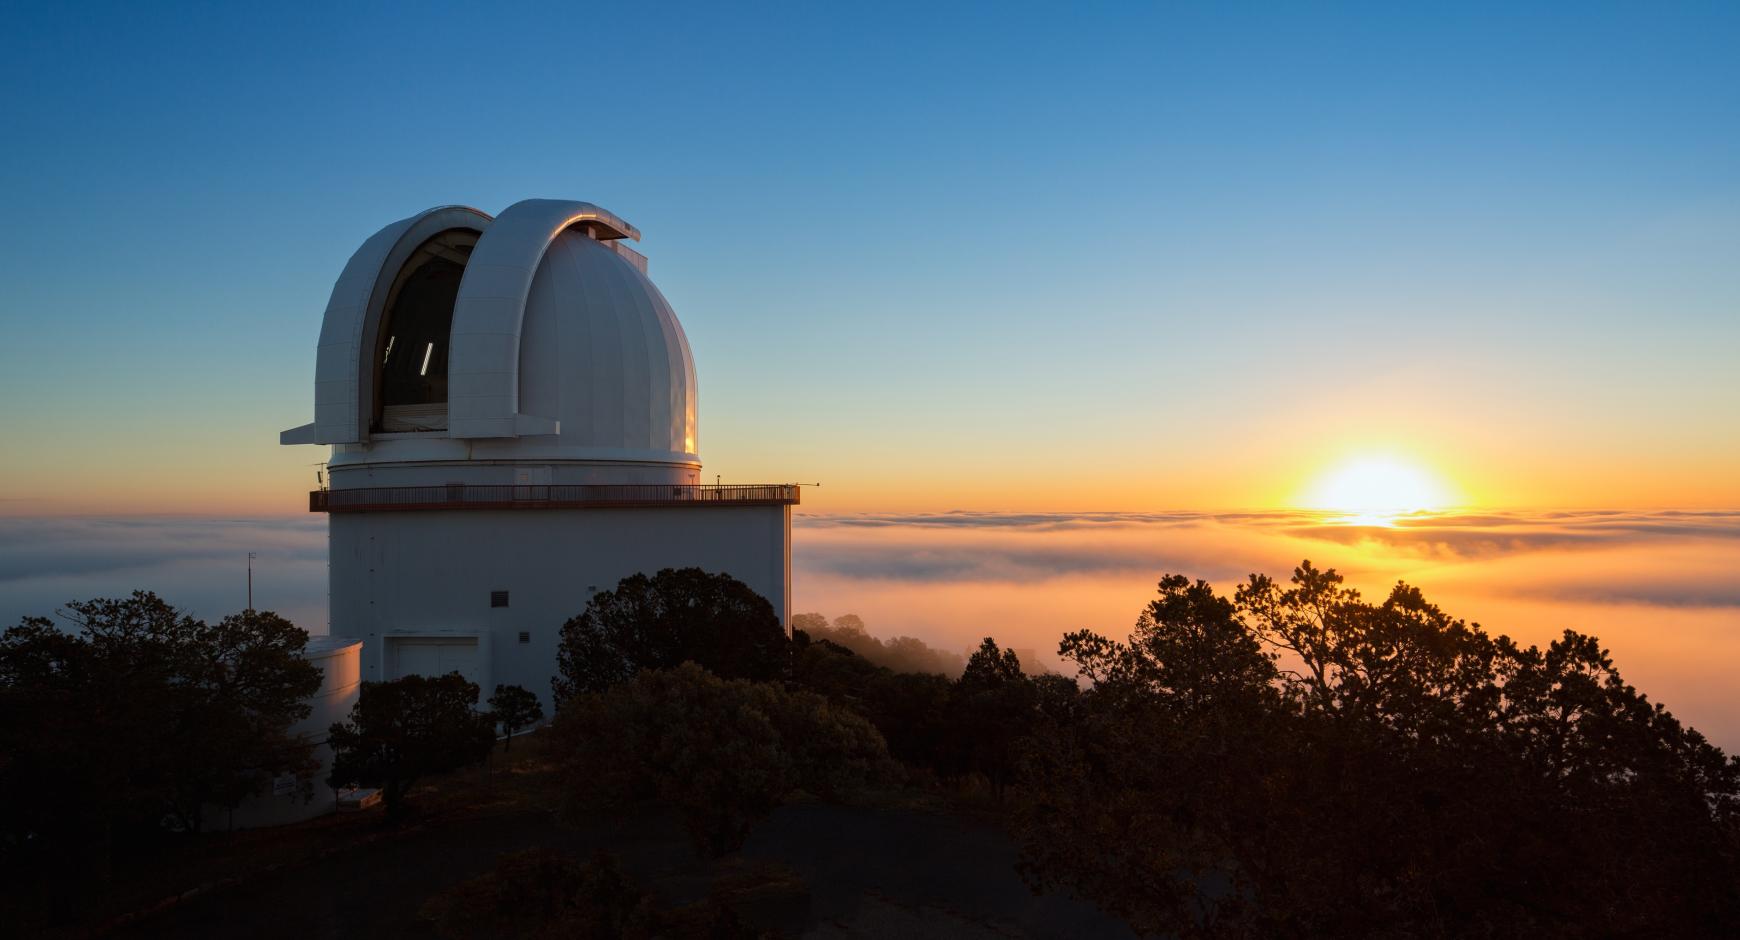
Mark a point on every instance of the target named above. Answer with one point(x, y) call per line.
point(513, 413)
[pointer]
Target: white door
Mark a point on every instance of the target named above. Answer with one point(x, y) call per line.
point(437, 656)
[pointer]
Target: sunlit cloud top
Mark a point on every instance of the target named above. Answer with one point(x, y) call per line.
point(1657, 587)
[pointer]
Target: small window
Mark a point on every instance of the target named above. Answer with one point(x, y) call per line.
point(525, 636)
point(498, 598)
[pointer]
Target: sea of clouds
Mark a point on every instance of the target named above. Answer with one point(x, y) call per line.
point(1661, 589)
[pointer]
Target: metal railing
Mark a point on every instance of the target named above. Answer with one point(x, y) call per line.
point(560, 496)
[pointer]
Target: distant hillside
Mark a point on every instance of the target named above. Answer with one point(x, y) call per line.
point(901, 654)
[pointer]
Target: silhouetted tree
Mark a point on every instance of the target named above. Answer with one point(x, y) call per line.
point(1298, 761)
point(1059, 697)
point(402, 730)
point(990, 669)
point(723, 752)
point(993, 710)
point(514, 707)
point(136, 713)
point(676, 616)
point(1188, 651)
point(911, 710)
point(252, 685)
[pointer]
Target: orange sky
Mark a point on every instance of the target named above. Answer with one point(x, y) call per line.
point(1229, 253)
point(211, 468)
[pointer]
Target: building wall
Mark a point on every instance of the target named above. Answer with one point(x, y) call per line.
point(413, 586)
point(431, 460)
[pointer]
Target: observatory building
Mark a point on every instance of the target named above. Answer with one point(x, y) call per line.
point(514, 423)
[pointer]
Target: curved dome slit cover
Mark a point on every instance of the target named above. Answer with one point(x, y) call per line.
point(483, 374)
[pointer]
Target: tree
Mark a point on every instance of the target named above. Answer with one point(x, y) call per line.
point(402, 730)
point(990, 669)
point(249, 685)
point(911, 654)
point(723, 752)
point(992, 711)
point(812, 624)
point(1250, 767)
point(911, 710)
point(676, 616)
point(136, 714)
point(1059, 697)
point(1188, 650)
point(515, 707)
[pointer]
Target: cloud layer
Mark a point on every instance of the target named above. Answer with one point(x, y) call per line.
point(1661, 589)
point(1027, 547)
point(200, 565)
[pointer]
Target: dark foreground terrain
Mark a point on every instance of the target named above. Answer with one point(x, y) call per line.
point(903, 866)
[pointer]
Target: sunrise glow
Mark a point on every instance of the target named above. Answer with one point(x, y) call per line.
point(1376, 490)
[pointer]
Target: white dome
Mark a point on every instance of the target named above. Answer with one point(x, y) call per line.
point(452, 337)
point(602, 353)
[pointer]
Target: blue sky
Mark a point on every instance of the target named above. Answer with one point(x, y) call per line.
point(992, 256)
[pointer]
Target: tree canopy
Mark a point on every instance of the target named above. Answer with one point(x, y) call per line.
point(723, 752)
point(132, 712)
point(1297, 760)
point(514, 707)
point(402, 730)
point(678, 615)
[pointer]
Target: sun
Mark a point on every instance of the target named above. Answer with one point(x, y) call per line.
point(1375, 490)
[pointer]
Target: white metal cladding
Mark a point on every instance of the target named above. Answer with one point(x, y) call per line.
point(556, 336)
point(602, 352)
point(483, 375)
point(343, 375)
